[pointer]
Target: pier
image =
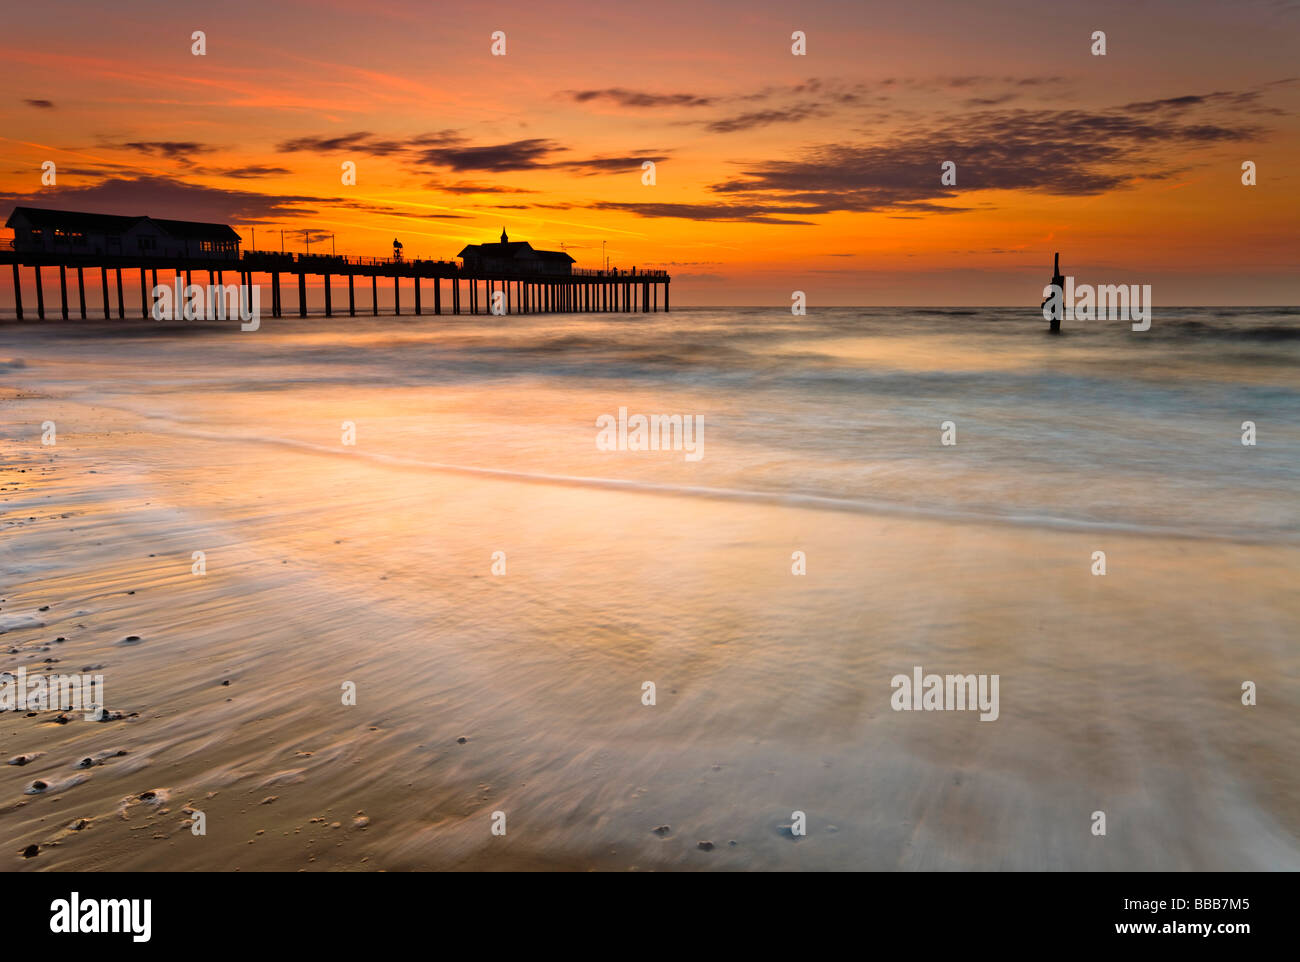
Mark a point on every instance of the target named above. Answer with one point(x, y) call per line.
point(495, 278)
point(426, 287)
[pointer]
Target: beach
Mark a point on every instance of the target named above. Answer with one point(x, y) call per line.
point(497, 590)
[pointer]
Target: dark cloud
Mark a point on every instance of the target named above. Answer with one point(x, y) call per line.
point(360, 141)
point(40, 104)
point(165, 197)
point(1247, 101)
point(638, 98)
point(517, 155)
point(451, 150)
point(529, 154)
point(746, 213)
point(1058, 152)
point(608, 165)
point(369, 207)
point(762, 118)
point(1062, 152)
point(471, 187)
point(173, 149)
point(251, 172)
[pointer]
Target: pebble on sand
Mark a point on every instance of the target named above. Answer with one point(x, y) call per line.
point(705, 846)
point(662, 830)
point(31, 851)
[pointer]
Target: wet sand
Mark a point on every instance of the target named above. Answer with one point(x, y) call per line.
point(372, 564)
point(1118, 693)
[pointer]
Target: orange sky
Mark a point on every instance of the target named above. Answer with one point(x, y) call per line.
point(774, 172)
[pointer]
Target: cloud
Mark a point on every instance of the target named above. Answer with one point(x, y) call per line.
point(1050, 151)
point(168, 198)
point(40, 104)
point(989, 101)
point(744, 213)
point(608, 165)
point(1246, 101)
point(638, 98)
point(360, 141)
point(473, 187)
point(173, 149)
point(530, 154)
point(451, 150)
point(250, 172)
point(763, 118)
point(526, 154)
point(1064, 152)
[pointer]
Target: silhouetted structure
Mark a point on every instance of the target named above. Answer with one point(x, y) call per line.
point(537, 282)
point(515, 256)
point(1059, 281)
point(77, 232)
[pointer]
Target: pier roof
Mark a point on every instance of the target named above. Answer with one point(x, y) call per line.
point(47, 218)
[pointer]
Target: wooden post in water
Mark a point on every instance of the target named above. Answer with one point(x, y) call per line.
point(302, 292)
point(63, 289)
point(416, 281)
point(81, 290)
point(103, 282)
point(374, 294)
point(397, 297)
point(1059, 281)
point(144, 298)
point(18, 292)
point(329, 304)
point(437, 294)
point(40, 294)
point(352, 296)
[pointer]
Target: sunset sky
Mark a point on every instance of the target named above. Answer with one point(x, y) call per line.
point(775, 172)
